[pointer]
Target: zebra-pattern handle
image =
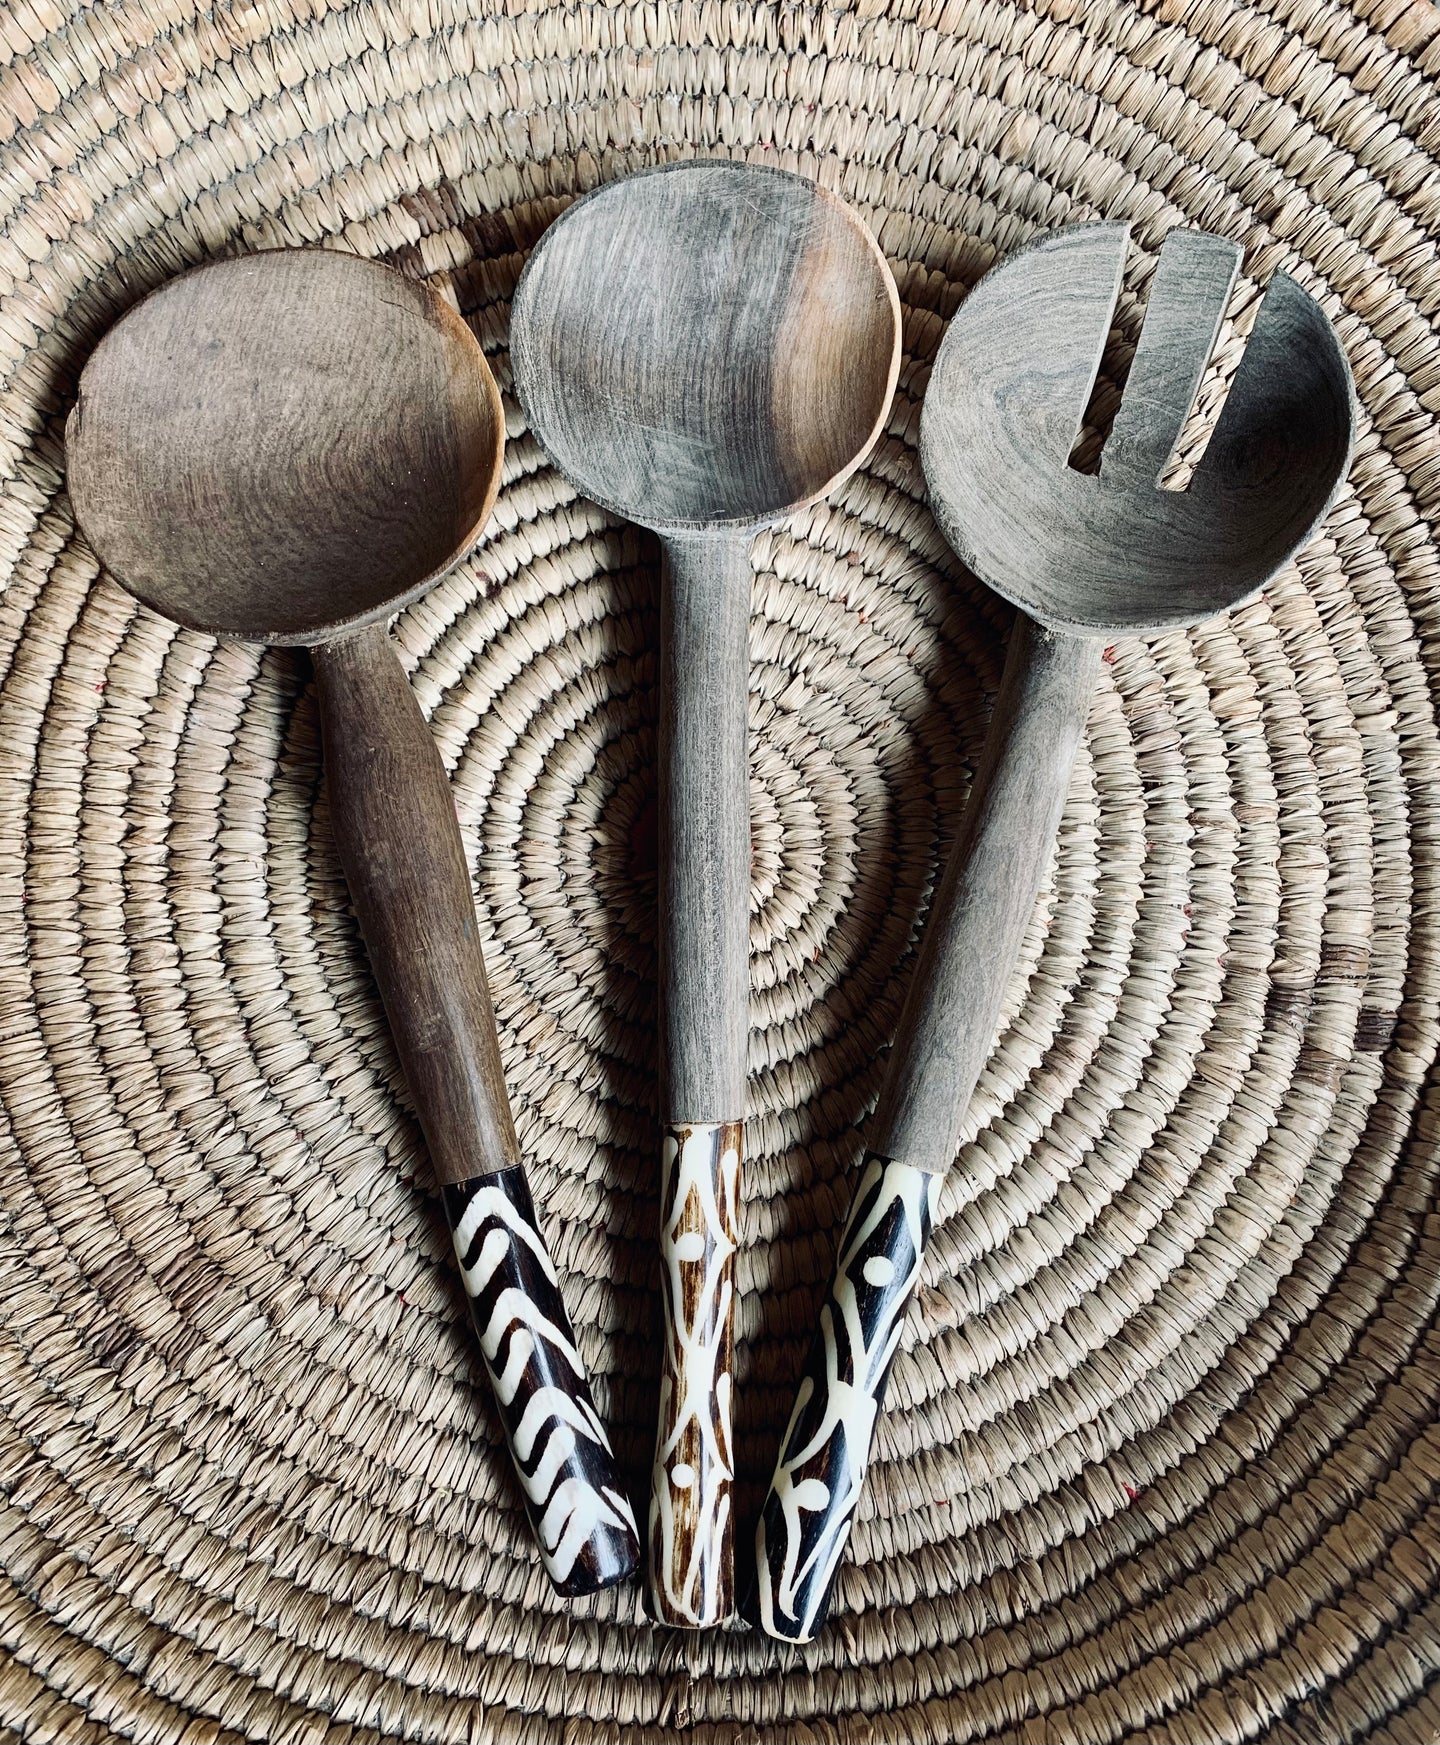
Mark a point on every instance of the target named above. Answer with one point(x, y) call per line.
point(805, 1523)
point(692, 1581)
point(580, 1516)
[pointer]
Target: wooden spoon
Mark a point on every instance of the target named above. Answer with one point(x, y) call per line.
point(285, 449)
point(703, 349)
point(1088, 559)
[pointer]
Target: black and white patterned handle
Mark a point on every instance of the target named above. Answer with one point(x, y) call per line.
point(581, 1517)
point(820, 1474)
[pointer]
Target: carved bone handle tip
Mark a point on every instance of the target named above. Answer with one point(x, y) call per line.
point(820, 1473)
point(691, 1537)
point(580, 1516)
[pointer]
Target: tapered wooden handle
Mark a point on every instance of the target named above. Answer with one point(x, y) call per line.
point(820, 1473)
point(977, 921)
point(394, 820)
point(704, 1022)
point(972, 935)
point(399, 842)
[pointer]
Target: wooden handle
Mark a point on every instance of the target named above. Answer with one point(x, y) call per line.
point(562, 1456)
point(820, 1473)
point(972, 935)
point(394, 821)
point(977, 921)
point(704, 827)
point(704, 1020)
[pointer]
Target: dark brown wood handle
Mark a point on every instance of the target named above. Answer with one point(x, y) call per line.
point(395, 826)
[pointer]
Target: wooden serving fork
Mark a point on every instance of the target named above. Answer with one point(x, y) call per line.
point(1087, 559)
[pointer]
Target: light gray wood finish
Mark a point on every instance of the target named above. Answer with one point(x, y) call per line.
point(983, 905)
point(286, 448)
point(1114, 555)
point(704, 348)
point(704, 826)
point(706, 343)
point(1193, 281)
point(1087, 557)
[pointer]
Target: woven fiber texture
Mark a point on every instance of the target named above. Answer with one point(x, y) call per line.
point(1160, 1459)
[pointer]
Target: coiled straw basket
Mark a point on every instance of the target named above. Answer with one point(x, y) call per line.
point(1161, 1461)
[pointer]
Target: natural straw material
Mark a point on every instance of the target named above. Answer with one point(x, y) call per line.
point(1161, 1459)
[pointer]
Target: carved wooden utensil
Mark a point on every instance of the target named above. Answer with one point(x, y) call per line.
point(1088, 559)
point(703, 349)
point(285, 449)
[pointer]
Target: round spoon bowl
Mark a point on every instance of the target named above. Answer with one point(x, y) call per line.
point(1115, 554)
point(706, 344)
point(284, 446)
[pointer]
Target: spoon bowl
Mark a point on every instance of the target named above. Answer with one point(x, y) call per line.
point(285, 446)
point(689, 359)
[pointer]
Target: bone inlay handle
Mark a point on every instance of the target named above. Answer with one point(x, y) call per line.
point(691, 1541)
point(562, 1457)
point(820, 1474)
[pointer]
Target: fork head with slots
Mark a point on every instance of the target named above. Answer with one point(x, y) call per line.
point(1116, 554)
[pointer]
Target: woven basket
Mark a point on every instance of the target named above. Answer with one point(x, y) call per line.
point(1160, 1459)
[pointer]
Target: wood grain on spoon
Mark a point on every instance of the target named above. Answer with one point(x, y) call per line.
point(703, 349)
point(287, 448)
point(289, 444)
point(1114, 555)
point(284, 448)
point(707, 345)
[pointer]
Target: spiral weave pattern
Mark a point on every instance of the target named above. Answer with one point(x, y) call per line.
point(1161, 1456)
